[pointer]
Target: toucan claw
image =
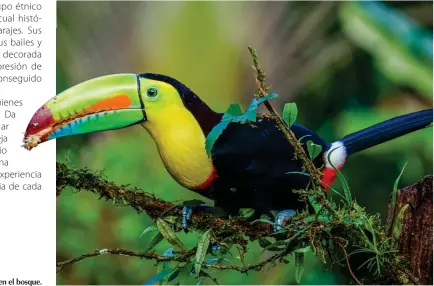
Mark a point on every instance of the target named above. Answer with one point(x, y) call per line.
point(187, 213)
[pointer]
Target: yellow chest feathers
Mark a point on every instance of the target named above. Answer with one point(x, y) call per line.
point(181, 144)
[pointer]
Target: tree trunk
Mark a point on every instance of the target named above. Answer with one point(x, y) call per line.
point(416, 240)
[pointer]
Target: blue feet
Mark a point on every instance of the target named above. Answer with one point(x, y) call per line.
point(281, 219)
point(187, 212)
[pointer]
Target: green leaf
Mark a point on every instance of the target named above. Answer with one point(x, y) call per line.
point(168, 233)
point(298, 173)
point(302, 137)
point(347, 191)
point(310, 218)
point(316, 206)
point(148, 229)
point(263, 220)
point(313, 149)
point(233, 110)
point(174, 274)
point(303, 250)
point(246, 212)
point(157, 239)
point(299, 266)
point(158, 277)
point(250, 114)
point(277, 246)
point(290, 113)
point(214, 135)
point(234, 114)
point(397, 228)
point(394, 194)
point(226, 245)
point(263, 242)
point(202, 248)
point(161, 267)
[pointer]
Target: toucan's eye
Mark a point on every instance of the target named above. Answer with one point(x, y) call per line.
point(152, 92)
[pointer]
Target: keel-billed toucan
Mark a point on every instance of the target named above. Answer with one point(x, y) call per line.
point(251, 166)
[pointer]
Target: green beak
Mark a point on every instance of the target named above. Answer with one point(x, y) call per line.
point(104, 103)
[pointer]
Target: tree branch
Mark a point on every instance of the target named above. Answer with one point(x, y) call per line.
point(142, 202)
point(148, 255)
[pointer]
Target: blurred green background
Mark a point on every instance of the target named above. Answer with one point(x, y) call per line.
point(347, 65)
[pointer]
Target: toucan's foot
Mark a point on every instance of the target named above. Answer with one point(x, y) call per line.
point(195, 206)
point(281, 219)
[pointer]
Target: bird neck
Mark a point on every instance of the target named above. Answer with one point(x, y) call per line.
point(181, 143)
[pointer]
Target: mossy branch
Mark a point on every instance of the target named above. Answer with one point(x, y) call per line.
point(299, 152)
point(262, 90)
point(396, 269)
point(143, 202)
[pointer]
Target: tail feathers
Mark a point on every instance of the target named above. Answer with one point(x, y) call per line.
point(339, 150)
point(386, 131)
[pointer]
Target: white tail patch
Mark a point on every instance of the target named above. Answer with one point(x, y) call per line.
point(338, 155)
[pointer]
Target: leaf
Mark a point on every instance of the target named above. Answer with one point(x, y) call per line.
point(157, 239)
point(397, 228)
point(250, 114)
point(263, 242)
point(226, 245)
point(234, 114)
point(299, 266)
point(174, 274)
point(168, 233)
point(303, 250)
point(202, 248)
point(185, 273)
point(164, 265)
point(298, 173)
point(313, 149)
point(158, 277)
point(263, 220)
point(233, 110)
point(148, 229)
point(212, 260)
point(394, 194)
point(246, 212)
point(316, 206)
point(277, 246)
point(290, 113)
point(214, 135)
point(302, 137)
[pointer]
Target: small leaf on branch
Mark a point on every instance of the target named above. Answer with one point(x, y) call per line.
point(303, 250)
point(234, 114)
point(202, 248)
point(394, 194)
point(155, 241)
point(263, 242)
point(168, 233)
point(290, 113)
point(158, 277)
point(313, 149)
point(233, 110)
point(397, 227)
point(148, 229)
point(246, 212)
point(299, 266)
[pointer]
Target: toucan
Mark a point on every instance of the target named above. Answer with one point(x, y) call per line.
point(251, 165)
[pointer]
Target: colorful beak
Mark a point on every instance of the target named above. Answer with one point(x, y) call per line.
point(104, 103)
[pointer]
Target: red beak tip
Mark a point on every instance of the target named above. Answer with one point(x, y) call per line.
point(31, 141)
